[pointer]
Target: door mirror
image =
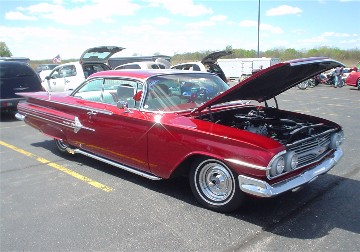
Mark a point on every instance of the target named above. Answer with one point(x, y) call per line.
point(123, 105)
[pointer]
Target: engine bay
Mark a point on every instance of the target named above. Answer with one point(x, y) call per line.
point(282, 126)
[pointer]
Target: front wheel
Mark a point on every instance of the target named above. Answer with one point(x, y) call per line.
point(358, 84)
point(214, 185)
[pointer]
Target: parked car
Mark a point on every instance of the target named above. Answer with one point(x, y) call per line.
point(140, 121)
point(16, 77)
point(353, 79)
point(70, 75)
point(207, 64)
point(21, 59)
point(43, 67)
point(142, 65)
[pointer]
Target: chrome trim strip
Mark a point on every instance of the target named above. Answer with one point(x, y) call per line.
point(41, 114)
point(242, 163)
point(263, 189)
point(65, 122)
point(101, 111)
point(107, 161)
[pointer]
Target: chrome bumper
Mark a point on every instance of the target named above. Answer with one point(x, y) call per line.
point(263, 189)
point(19, 116)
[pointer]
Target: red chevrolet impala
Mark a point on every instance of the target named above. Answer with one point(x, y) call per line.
point(165, 123)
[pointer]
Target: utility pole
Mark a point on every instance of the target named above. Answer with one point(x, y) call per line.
point(258, 42)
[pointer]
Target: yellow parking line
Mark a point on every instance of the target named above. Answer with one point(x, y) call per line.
point(11, 127)
point(59, 167)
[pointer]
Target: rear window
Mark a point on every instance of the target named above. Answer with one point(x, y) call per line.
point(130, 66)
point(18, 70)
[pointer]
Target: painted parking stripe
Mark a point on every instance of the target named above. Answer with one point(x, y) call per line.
point(59, 167)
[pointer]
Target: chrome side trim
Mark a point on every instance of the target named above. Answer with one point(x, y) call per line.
point(101, 111)
point(263, 189)
point(249, 165)
point(72, 124)
point(107, 161)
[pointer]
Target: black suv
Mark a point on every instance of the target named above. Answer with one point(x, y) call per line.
point(16, 77)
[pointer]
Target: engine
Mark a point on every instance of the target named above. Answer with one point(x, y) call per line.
point(284, 130)
point(280, 126)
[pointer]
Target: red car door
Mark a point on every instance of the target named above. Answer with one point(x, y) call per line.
point(104, 129)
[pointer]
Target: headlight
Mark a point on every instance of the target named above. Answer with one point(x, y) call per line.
point(336, 140)
point(278, 166)
point(291, 161)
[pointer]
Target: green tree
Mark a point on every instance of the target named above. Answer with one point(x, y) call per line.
point(4, 50)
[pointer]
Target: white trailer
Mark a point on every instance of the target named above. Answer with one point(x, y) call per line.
point(236, 69)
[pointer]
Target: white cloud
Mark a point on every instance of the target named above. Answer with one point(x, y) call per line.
point(15, 15)
point(85, 14)
point(333, 36)
point(157, 21)
point(183, 7)
point(219, 18)
point(248, 23)
point(200, 24)
point(283, 10)
point(263, 27)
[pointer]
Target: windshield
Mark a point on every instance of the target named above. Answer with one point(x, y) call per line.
point(179, 92)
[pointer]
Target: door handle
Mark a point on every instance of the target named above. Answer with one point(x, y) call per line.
point(91, 114)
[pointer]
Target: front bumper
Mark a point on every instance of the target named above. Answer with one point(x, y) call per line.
point(263, 189)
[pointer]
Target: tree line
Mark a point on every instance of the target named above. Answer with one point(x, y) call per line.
point(349, 57)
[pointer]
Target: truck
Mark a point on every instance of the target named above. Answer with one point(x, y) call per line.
point(240, 68)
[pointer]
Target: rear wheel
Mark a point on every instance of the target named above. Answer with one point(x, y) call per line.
point(214, 185)
point(302, 85)
point(311, 83)
point(61, 146)
point(358, 83)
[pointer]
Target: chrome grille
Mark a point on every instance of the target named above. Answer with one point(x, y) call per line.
point(311, 150)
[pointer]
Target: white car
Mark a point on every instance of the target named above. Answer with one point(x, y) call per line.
point(143, 65)
point(69, 75)
point(207, 64)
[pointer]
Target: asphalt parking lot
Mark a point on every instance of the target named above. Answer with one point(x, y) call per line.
point(50, 202)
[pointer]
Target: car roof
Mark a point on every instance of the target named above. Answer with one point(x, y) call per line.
point(13, 63)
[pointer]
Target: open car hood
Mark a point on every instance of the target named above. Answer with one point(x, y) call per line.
point(213, 57)
point(99, 54)
point(268, 83)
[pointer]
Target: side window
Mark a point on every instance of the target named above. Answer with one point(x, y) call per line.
point(121, 91)
point(56, 74)
point(110, 91)
point(132, 66)
point(154, 66)
point(91, 91)
point(68, 71)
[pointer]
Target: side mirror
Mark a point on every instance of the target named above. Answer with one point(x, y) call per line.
point(47, 78)
point(123, 105)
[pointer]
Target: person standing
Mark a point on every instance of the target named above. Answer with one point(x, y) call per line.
point(338, 76)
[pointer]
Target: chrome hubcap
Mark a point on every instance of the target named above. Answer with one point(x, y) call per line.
point(61, 144)
point(215, 182)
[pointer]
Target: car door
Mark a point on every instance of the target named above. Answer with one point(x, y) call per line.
point(60, 78)
point(106, 130)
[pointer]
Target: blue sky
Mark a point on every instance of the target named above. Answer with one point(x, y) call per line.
point(42, 29)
